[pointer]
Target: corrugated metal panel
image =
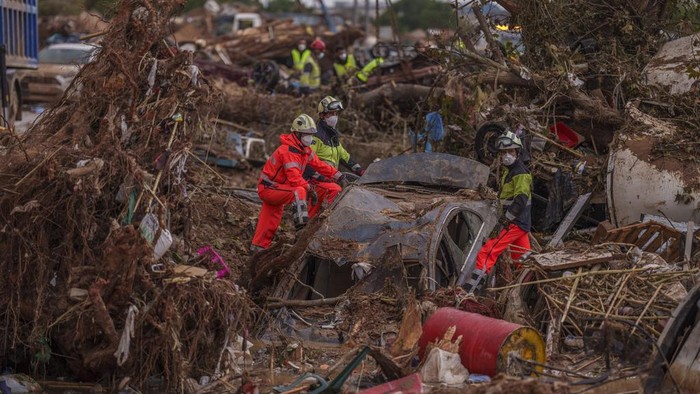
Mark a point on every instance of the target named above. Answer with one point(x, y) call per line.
point(19, 32)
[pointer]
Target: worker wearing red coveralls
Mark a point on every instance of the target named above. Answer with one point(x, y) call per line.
point(281, 182)
point(515, 197)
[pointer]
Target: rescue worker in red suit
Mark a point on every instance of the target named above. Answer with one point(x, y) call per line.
point(515, 198)
point(282, 183)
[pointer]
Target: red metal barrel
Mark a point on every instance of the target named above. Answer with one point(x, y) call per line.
point(486, 342)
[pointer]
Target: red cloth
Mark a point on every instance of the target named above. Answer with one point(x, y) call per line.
point(326, 191)
point(492, 249)
point(281, 182)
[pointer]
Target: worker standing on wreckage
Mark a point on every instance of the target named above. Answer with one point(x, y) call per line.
point(281, 182)
point(515, 198)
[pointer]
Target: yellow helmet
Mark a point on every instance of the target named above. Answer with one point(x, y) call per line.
point(329, 103)
point(304, 124)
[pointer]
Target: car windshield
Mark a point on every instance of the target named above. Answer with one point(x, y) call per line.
point(65, 55)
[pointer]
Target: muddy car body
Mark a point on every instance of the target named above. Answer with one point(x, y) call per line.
point(58, 65)
point(425, 207)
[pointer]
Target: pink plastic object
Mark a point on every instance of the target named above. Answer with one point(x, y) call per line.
point(567, 136)
point(215, 258)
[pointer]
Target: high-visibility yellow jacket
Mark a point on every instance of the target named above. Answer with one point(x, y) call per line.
point(311, 74)
point(299, 58)
point(329, 149)
point(516, 194)
point(349, 68)
point(364, 74)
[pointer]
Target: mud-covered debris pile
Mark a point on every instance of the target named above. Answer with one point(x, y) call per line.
point(93, 197)
point(611, 299)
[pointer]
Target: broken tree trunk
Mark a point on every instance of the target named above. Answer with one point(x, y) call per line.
point(394, 92)
point(495, 50)
point(588, 108)
point(278, 303)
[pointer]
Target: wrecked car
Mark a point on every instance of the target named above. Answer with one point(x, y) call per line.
point(58, 65)
point(422, 212)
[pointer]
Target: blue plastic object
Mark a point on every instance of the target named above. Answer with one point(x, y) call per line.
point(433, 126)
point(476, 378)
point(19, 32)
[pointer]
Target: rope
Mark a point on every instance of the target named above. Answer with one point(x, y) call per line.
point(122, 353)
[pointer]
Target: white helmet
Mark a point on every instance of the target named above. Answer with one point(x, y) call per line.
point(509, 140)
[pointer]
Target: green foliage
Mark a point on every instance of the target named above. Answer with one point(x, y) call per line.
point(684, 16)
point(60, 7)
point(104, 7)
point(284, 6)
point(419, 14)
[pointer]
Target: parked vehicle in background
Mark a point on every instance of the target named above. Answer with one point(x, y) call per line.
point(58, 65)
point(19, 44)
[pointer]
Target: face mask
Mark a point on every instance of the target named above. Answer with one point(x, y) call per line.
point(307, 139)
point(332, 120)
point(508, 159)
point(301, 47)
point(342, 57)
point(321, 55)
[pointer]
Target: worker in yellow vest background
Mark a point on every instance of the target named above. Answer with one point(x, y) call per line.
point(368, 69)
point(345, 65)
point(299, 55)
point(310, 79)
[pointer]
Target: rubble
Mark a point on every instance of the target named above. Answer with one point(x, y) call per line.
point(129, 207)
point(83, 280)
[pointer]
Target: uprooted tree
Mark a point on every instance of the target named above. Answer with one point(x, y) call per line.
point(99, 176)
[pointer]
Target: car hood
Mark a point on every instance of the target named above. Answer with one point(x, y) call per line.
point(400, 200)
point(368, 220)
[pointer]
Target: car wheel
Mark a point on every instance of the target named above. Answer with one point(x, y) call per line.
point(266, 74)
point(485, 142)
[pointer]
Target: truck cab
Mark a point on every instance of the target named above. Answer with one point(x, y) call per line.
point(19, 49)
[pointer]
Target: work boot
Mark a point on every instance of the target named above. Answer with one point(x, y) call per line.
point(300, 214)
point(476, 281)
point(255, 249)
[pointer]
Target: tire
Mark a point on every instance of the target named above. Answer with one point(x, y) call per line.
point(266, 75)
point(485, 142)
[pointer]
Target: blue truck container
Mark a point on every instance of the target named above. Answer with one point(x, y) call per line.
point(19, 36)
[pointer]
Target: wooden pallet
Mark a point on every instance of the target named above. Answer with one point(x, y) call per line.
point(650, 237)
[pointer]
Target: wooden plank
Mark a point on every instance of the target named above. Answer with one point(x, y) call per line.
point(688, 242)
point(656, 244)
point(570, 219)
point(633, 235)
point(685, 366)
point(563, 259)
point(189, 270)
point(673, 252)
point(601, 232)
point(648, 233)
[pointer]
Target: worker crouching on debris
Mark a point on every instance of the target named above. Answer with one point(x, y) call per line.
point(328, 148)
point(515, 198)
point(282, 183)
